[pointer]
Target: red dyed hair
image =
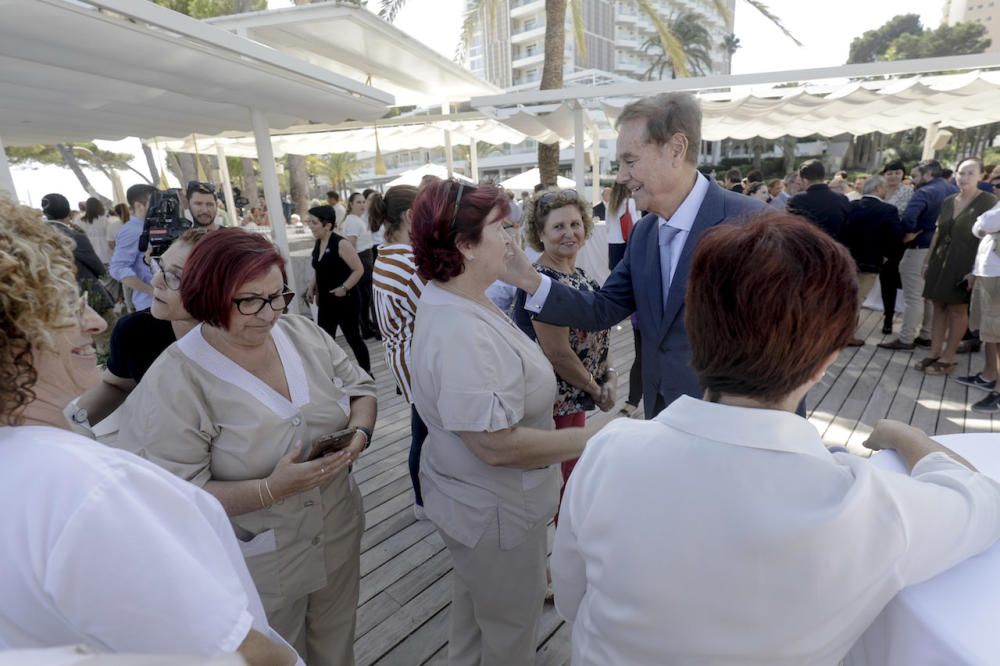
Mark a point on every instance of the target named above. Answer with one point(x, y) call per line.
point(218, 266)
point(434, 242)
point(767, 302)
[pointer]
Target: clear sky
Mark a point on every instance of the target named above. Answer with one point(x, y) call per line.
point(824, 28)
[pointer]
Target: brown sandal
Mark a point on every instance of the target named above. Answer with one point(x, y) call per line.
point(940, 368)
point(925, 363)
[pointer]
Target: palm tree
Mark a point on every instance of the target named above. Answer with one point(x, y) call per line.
point(339, 168)
point(731, 43)
point(689, 27)
point(555, 41)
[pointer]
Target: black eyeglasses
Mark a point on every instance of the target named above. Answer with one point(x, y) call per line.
point(547, 198)
point(170, 278)
point(251, 305)
point(458, 202)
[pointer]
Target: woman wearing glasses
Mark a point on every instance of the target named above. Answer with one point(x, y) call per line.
point(138, 339)
point(231, 406)
point(485, 391)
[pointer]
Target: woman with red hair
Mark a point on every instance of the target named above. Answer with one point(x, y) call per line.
point(230, 408)
point(488, 468)
point(685, 538)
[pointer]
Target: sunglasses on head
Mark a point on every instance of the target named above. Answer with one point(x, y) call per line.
point(201, 187)
point(547, 198)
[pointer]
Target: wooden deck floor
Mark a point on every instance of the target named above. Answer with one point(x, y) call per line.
point(406, 571)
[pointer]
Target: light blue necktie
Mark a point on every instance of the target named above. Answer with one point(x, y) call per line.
point(667, 234)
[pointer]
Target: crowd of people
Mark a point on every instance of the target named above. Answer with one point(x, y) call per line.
point(222, 515)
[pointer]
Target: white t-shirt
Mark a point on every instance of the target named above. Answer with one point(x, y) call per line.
point(615, 220)
point(986, 227)
point(355, 226)
point(104, 549)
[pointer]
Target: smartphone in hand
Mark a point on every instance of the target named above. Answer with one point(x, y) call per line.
point(335, 441)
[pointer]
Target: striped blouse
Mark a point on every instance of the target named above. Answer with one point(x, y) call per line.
point(397, 289)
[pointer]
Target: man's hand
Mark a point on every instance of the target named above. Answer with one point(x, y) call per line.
point(520, 273)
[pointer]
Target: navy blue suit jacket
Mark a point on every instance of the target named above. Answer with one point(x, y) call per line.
point(922, 212)
point(635, 286)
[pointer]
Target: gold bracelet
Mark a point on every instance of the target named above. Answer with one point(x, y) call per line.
point(260, 493)
point(267, 487)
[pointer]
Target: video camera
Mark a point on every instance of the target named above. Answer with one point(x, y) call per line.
point(164, 222)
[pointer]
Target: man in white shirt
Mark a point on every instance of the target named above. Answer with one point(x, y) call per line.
point(984, 313)
point(723, 531)
point(333, 198)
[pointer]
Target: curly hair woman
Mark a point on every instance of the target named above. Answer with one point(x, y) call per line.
point(100, 548)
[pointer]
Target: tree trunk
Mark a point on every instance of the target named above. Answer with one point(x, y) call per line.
point(189, 171)
point(552, 77)
point(209, 167)
point(788, 144)
point(154, 173)
point(758, 149)
point(250, 190)
point(70, 159)
point(298, 181)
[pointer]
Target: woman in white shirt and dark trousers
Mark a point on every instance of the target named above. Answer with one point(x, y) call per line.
point(357, 231)
point(723, 531)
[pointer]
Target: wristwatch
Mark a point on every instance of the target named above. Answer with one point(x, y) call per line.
point(367, 433)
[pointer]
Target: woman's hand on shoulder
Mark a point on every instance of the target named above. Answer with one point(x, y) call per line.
point(292, 478)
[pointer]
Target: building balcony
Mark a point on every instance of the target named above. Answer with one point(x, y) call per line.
point(527, 61)
point(523, 8)
point(531, 34)
point(626, 18)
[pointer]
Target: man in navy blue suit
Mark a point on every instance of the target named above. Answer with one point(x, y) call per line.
point(658, 142)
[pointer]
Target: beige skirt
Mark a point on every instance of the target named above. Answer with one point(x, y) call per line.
point(984, 312)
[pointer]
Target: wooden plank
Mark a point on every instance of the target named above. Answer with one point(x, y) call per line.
point(375, 557)
point(421, 645)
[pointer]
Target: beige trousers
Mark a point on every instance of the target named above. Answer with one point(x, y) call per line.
point(497, 599)
point(320, 626)
point(866, 281)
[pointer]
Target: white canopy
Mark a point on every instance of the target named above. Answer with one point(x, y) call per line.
point(885, 97)
point(108, 69)
point(409, 133)
point(530, 178)
point(354, 42)
point(414, 176)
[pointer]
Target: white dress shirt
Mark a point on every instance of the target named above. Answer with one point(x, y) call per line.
point(726, 535)
point(682, 219)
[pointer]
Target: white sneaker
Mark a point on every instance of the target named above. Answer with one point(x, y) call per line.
point(418, 512)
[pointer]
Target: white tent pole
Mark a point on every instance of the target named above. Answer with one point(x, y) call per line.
point(272, 193)
point(578, 150)
point(6, 177)
point(449, 158)
point(929, 139)
point(595, 161)
point(473, 159)
point(227, 184)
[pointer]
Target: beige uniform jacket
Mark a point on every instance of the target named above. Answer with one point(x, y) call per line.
point(475, 371)
point(201, 416)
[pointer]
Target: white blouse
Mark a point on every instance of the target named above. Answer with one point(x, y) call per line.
point(727, 535)
point(103, 549)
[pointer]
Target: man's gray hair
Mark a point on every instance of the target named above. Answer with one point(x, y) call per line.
point(872, 184)
point(668, 114)
point(791, 178)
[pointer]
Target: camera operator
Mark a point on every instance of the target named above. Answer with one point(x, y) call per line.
point(128, 265)
point(202, 206)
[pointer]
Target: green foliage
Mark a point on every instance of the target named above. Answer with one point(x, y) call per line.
point(873, 44)
point(948, 40)
point(771, 167)
point(339, 168)
point(904, 38)
point(201, 9)
point(696, 43)
point(87, 154)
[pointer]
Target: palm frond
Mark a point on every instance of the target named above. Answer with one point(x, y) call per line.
point(671, 45)
point(763, 9)
point(579, 29)
point(389, 9)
